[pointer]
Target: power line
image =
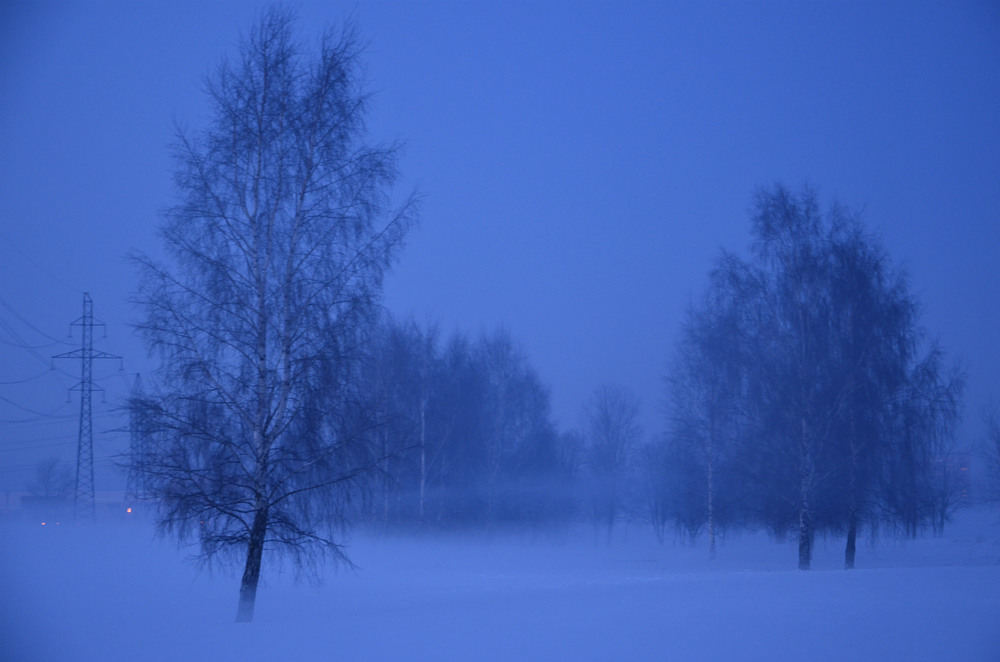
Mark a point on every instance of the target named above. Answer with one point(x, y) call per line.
point(26, 379)
point(18, 467)
point(13, 442)
point(34, 442)
point(36, 446)
point(36, 264)
point(41, 420)
point(29, 410)
point(20, 346)
point(25, 346)
point(52, 418)
point(10, 309)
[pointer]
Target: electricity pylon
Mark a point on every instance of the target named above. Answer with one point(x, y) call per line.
point(137, 446)
point(83, 500)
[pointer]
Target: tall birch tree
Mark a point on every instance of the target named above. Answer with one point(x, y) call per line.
point(277, 246)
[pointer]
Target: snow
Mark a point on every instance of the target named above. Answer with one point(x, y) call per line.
point(114, 593)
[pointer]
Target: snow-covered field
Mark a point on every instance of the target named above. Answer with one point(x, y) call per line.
point(115, 594)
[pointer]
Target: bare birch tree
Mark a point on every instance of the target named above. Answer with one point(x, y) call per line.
point(277, 245)
point(704, 389)
point(613, 432)
point(805, 362)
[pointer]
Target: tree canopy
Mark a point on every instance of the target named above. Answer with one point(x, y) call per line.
point(804, 377)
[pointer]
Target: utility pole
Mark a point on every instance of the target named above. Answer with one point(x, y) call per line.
point(83, 501)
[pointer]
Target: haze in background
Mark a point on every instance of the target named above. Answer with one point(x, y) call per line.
point(582, 164)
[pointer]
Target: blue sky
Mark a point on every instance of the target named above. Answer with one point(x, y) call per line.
point(582, 162)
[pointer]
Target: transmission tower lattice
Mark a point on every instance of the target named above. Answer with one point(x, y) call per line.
point(83, 501)
point(137, 446)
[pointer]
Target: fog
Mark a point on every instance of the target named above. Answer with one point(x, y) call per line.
point(582, 167)
point(114, 593)
point(527, 331)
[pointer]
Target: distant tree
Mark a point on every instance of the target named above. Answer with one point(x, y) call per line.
point(705, 387)
point(612, 430)
point(458, 424)
point(518, 437)
point(425, 370)
point(873, 340)
point(377, 386)
point(990, 448)
point(659, 487)
point(569, 467)
point(502, 361)
point(52, 480)
point(465, 432)
point(804, 365)
point(792, 372)
point(398, 380)
point(278, 245)
point(920, 488)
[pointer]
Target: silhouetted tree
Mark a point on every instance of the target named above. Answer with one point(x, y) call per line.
point(705, 388)
point(990, 448)
point(398, 380)
point(466, 435)
point(873, 341)
point(459, 424)
point(52, 480)
point(659, 486)
point(926, 411)
point(612, 430)
point(804, 365)
point(277, 245)
point(518, 437)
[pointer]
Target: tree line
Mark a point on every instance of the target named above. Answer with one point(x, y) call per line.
point(467, 437)
point(466, 433)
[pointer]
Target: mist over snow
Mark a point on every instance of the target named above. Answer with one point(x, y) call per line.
point(112, 594)
point(575, 325)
